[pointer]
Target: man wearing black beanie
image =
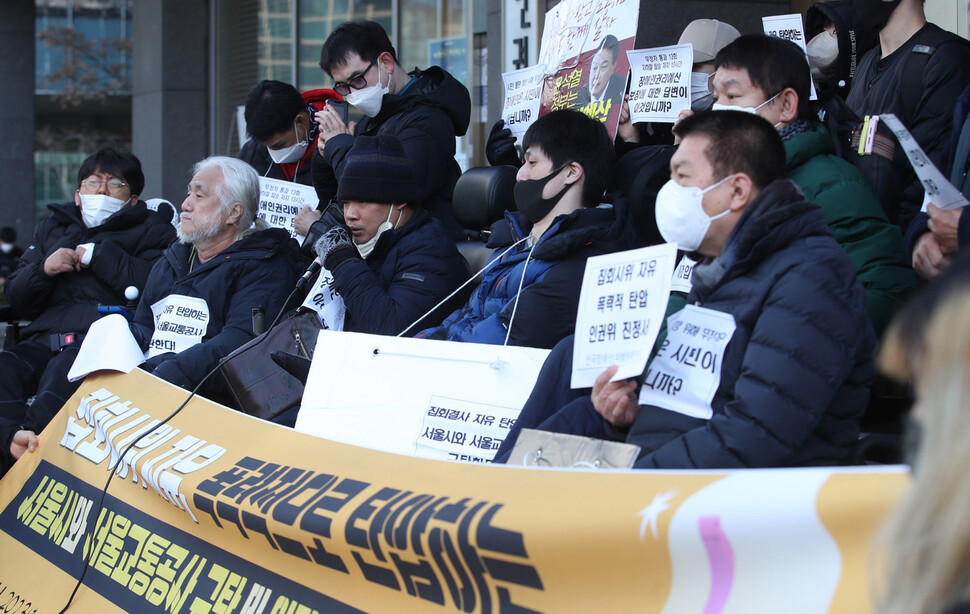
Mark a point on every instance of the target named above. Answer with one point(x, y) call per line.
point(392, 262)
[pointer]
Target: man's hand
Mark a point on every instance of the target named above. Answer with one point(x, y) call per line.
point(615, 401)
point(61, 261)
point(78, 255)
point(680, 117)
point(330, 126)
point(335, 242)
point(500, 147)
point(929, 260)
point(943, 225)
point(626, 130)
point(304, 219)
point(23, 441)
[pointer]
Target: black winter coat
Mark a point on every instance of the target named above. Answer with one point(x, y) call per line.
point(258, 271)
point(126, 246)
point(411, 269)
point(795, 376)
point(426, 118)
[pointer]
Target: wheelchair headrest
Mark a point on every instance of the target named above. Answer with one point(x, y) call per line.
point(638, 177)
point(482, 195)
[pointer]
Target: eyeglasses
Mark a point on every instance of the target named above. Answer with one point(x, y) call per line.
point(357, 83)
point(114, 185)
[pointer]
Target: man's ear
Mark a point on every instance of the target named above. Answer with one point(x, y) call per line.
point(574, 173)
point(386, 62)
point(235, 214)
point(77, 198)
point(743, 191)
point(134, 200)
point(789, 105)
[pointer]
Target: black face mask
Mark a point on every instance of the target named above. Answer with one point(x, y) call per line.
point(529, 200)
point(872, 15)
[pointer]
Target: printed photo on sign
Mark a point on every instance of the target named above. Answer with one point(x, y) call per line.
point(522, 91)
point(789, 28)
point(621, 307)
point(686, 372)
point(280, 201)
point(583, 55)
point(180, 322)
point(463, 431)
point(327, 302)
point(660, 83)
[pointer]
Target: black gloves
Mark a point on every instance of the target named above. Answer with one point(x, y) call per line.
point(500, 147)
point(335, 248)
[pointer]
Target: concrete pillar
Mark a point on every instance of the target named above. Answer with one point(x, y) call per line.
point(17, 117)
point(169, 92)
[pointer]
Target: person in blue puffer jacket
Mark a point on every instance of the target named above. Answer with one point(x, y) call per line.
point(530, 293)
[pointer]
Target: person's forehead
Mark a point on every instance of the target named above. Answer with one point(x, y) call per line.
point(732, 77)
point(207, 178)
point(352, 65)
point(690, 154)
point(602, 55)
point(100, 174)
point(536, 153)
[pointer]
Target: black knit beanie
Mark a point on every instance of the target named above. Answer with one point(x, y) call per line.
point(377, 170)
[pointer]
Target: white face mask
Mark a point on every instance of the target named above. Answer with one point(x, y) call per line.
point(287, 155)
point(823, 50)
point(700, 95)
point(369, 100)
point(367, 247)
point(680, 214)
point(96, 208)
point(6, 248)
point(753, 110)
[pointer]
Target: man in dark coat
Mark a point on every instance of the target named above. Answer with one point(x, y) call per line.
point(198, 304)
point(796, 359)
point(424, 110)
point(393, 262)
point(85, 254)
point(529, 294)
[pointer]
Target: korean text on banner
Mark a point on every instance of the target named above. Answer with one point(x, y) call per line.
point(523, 89)
point(939, 191)
point(789, 28)
point(324, 299)
point(621, 307)
point(686, 372)
point(660, 83)
point(216, 511)
point(280, 201)
point(180, 322)
point(435, 399)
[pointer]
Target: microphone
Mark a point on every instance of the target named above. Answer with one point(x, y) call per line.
point(312, 270)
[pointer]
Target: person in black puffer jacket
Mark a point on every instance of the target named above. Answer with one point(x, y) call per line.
point(392, 262)
point(85, 254)
point(793, 377)
point(425, 110)
point(198, 303)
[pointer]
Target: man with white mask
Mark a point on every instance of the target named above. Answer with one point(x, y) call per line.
point(282, 130)
point(392, 262)
point(425, 110)
point(782, 313)
point(769, 77)
point(85, 254)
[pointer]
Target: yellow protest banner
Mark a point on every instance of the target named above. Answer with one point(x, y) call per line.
point(214, 511)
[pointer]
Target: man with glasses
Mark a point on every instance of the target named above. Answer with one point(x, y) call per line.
point(85, 254)
point(425, 110)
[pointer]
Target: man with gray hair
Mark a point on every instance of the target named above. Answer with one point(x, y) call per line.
point(198, 303)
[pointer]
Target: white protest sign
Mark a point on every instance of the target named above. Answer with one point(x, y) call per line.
point(108, 344)
point(377, 392)
point(621, 307)
point(686, 372)
point(463, 430)
point(660, 83)
point(789, 28)
point(324, 299)
point(180, 323)
point(681, 281)
point(523, 89)
point(939, 190)
point(280, 201)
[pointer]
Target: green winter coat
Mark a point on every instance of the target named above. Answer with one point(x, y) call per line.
point(856, 220)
